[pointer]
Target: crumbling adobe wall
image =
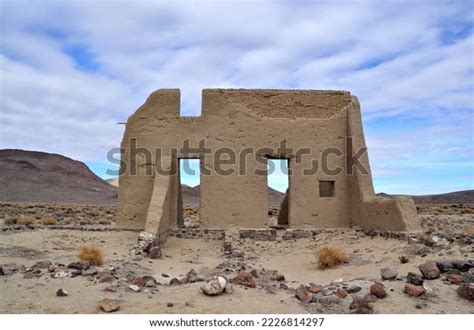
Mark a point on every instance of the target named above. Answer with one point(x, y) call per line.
point(241, 119)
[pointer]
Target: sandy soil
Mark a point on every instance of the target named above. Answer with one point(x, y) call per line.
point(294, 259)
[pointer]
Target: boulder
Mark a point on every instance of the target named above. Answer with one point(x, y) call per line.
point(413, 290)
point(377, 290)
point(155, 252)
point(429, 270)
point(414, 279)
point(444, 266)
point(214, 286)
point(388, 274)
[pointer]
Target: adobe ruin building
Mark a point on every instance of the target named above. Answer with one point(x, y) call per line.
point(240, 119)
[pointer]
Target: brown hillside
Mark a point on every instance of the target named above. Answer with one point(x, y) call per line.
point(30, 176)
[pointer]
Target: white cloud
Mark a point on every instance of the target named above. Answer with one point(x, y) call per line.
point(406, 59)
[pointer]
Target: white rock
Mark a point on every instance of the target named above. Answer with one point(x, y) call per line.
point(134, 287)
point(60, 275)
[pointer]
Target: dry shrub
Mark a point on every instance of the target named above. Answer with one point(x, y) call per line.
point(92, 254)
point(331, 256)
point(25, 220)
point(49, 221)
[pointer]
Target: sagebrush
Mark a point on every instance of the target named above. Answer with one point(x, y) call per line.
point(331, 256)
point(92, 254)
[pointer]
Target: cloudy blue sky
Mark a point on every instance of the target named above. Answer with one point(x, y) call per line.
point(71, 70)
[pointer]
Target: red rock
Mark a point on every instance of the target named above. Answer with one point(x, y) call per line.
point(377, 290)
point(303, 294)
point(245, 279)
point(454, 279)
point(413, 290)
point(466, 291)
point(277, 277)
point(341, 293)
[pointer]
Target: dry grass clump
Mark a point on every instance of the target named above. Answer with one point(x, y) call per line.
point(25, 220)
point(92, 254)
point(49, 221)
point(331, 256)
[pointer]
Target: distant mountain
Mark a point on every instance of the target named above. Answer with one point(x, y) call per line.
point(464, 197)
point(31, 176)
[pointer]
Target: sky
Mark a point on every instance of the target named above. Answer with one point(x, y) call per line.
point(71, 70)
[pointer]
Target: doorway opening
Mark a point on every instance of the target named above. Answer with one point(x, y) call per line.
point(189, 192)
point(278, 184)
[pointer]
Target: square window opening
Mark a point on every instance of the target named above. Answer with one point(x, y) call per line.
point(327, 188)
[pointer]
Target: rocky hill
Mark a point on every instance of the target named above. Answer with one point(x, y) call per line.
point(464, 197)
point(31, 176)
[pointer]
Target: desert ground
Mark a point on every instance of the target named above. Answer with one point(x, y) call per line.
point(39, 246)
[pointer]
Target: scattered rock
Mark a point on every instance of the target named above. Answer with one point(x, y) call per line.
point(42, 264)
point(364, 310)
point(227, 248)
point(377, 290)
point(413, 290)
point(89, 272)
point(462, 266)
point(134, 287)
point(283, 286)
point(420, 249)
point(429, 270)
point(61, 293)
point(155, 252)
point(414, 279)
point(229, 288)
point(303, 294)
point(418, 306)
point(79, 265)
point(277, 277)
point(59, 275)
point(315, 288)
point(192, 277)
point(360, 306)
point(354, 289)
point(466, 291)
point(144, 281)
point(170, 304)
point(174, 281)
point(245, 279)
point(444, 266)
point(454, 279)
point(109, 305)
point(370, 298)
point(104, 276)
point(341, 293)
point(388, 274)
point(214, 286)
